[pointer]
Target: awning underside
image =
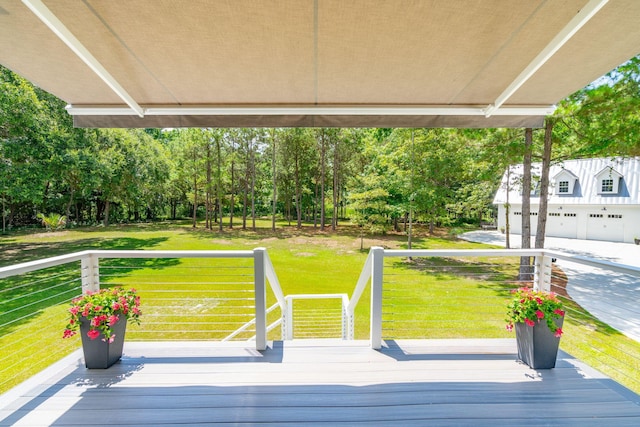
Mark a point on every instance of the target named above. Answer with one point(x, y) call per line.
point(172, 63)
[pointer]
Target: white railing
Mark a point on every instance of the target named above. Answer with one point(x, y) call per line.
point(373, 270)
point(85, 271)
point(320, 319)
point(261, 274)
point(396, 313)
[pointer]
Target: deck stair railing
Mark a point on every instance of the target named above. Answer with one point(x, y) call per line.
point(317, 320)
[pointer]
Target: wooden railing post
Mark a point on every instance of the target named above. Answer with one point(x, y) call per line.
point(260, 297)
point(90, 273)
point(377, 258)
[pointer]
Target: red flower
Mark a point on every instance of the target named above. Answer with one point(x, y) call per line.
point(93, 334)
point(559, 312)
point(68, 333)
point(509, 327)
point(529, 322)
point(539, 314)
point(558, 333)
point(115, 306)
point(113, 319)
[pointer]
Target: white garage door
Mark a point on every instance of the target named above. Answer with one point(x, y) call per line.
point(603, 226)
point(562, 224)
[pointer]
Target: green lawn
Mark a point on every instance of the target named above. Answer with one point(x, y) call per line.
point(423, 298)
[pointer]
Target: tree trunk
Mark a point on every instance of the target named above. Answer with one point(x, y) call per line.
point(69, 203)
point(273, 167)
point(315, 205)
point(336, 169)
point(253, 189)
point(107, 206)
point(219, 181)
point(323, 152)
point(245, 198)
point(209, 215)
point(231, 206)
point(195, 201)
point(544, 183)
point(525, 262)
point(298, 195)
point(507, 208)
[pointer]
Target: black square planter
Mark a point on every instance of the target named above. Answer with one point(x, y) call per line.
point(99, 354)
point(537, 345)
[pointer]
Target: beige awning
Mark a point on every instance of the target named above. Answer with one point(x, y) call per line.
point(423, 63)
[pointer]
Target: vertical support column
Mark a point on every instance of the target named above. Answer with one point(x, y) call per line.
point(90, 273)
point(289, 318)
point(260, 298)
point(377, 258)
point(542, 276)
point(347, 321)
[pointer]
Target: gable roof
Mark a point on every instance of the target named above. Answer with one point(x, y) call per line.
point(564, 172)
point(457, 63)
point(586, 188)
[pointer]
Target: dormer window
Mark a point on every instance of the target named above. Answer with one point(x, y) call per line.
point(608, 181)
point(565, 182)
point(563, 187)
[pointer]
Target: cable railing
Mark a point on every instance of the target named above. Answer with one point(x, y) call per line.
point(464, 293)
point(187, 295)
point(317, 316)
point(222, 296)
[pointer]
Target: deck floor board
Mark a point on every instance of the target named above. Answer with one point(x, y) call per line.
point(320, 382)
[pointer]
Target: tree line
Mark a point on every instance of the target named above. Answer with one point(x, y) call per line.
point(376, 178)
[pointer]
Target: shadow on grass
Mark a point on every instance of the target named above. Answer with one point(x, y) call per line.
point(25, 297)
point(14, 253)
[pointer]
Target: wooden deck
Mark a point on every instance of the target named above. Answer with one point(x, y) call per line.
point(320, 382)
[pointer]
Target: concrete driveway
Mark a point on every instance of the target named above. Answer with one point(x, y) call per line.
point(612, 297)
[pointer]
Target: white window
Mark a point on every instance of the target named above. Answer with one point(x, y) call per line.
point(563, 187)
point(608, 181)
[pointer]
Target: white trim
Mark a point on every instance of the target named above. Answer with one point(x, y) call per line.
point(310, 110)
point(578, 21)
point(63, 33)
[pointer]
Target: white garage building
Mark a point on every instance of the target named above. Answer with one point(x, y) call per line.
point(595, 199)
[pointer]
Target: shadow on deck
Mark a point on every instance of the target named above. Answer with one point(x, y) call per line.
point(320, 382)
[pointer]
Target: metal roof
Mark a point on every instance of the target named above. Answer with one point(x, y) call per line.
point(424, 63)
point(586, 188)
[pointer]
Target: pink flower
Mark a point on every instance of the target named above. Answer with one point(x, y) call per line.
point(68, 333)
point(539, 314)
point(112, 338)
point(95, 321)
point(509, 327)
point(93, 334)
point(559, 312)
point(136, 310)
point(558, 333)
point(74, 310)
point(529, 322)
point(113, 319)
point(539, 301)
point(115, 306)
